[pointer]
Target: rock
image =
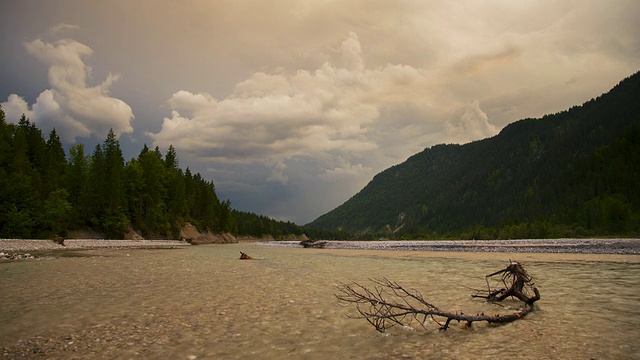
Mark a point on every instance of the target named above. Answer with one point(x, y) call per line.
point(132, 234)
point(16, 256)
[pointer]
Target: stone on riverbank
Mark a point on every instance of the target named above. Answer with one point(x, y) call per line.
point(6, 256)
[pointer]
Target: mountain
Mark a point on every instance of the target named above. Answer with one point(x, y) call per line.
point(574, 173)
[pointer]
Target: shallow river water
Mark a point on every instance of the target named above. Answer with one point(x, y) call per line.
point(201, 302)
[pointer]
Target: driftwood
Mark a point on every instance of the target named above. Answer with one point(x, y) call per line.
point(313, 244)
point(244, 256)
point(388, 304)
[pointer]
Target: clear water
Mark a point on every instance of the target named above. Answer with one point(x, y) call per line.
point(203, 303)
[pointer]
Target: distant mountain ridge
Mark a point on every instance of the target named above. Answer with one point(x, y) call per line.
point(574, 173)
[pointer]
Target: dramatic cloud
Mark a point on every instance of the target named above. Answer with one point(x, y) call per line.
point(71, 106)
point(472, 125)
point(334, 109)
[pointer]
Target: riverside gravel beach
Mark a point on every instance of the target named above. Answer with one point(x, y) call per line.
point(577, 246)
point(23, 245)
point(625, 246)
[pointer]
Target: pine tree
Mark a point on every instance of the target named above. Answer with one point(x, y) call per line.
point(153, 192)
point(175, 191)
point(76, 183)
point(55, 166)
point(114, 220)
point(6, 135)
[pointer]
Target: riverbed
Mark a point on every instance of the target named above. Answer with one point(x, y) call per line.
point(201, 302)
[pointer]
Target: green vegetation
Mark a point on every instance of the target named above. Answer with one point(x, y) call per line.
point(259, 226)
point(571, 174)
point(44, 195)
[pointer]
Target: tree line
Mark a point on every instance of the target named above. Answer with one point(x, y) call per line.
point(260, 226)
point(44, 193)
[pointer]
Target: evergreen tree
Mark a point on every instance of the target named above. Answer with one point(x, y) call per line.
point(5, 156)
point(104, 203)
point(95, 200)
point(57, 214)
point(175, 191)
point(153, 192)
point(23, 185)
point(20, 163)
point(76, 183)
point(6, 135)
point(55, 166)
point(114, 220)
point(36, 152)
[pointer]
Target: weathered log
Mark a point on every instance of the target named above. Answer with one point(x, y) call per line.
point(514, 278)
point(389, 304)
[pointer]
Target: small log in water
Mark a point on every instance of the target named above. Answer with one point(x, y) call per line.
point(244, 256)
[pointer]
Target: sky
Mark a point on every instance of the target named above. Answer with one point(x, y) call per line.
point(291, 107)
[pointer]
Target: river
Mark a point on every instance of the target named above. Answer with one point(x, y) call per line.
point(201, 302)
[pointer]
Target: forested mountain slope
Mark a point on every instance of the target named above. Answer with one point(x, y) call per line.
point(574, 173)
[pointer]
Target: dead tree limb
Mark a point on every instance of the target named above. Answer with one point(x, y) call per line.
point(388, 303)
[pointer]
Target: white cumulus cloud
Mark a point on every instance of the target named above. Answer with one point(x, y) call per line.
point(73, 107)
point(334, 112)
point(472, 125)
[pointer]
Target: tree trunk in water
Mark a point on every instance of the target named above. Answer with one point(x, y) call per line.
point(389, 304)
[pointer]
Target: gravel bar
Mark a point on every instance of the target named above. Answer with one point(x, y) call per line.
point(22, 245)
point(576, 246)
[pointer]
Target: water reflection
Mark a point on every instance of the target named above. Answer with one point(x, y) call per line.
point(203, 302)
